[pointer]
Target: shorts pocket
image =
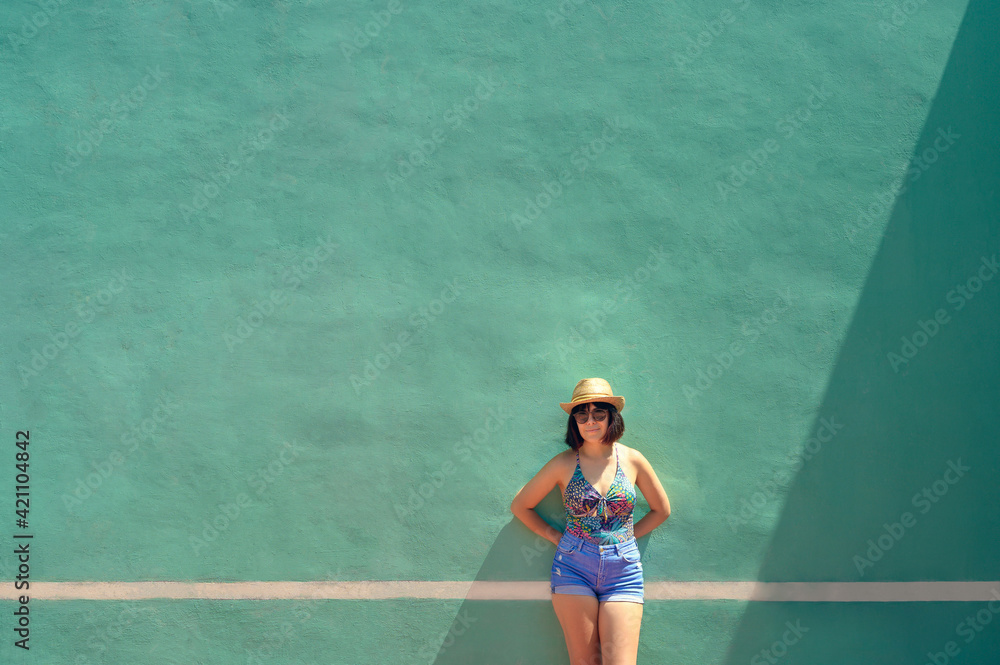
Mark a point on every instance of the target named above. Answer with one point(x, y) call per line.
point(632, 556)
point(565, 547)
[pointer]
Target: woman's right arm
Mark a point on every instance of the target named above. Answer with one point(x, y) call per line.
point(529, 496)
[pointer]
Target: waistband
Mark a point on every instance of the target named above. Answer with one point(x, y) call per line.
point(577, 543)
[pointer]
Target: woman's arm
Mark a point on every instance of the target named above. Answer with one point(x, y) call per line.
point(529, 496)
point(656, 497)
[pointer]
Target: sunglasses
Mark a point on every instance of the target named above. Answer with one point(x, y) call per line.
point(582, 416)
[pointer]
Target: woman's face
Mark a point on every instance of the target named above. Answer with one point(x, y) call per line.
point(593, 430)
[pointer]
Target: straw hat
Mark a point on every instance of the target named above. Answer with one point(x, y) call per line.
point(593, 390)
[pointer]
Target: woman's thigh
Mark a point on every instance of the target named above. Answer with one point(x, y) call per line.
point(578, 618)
point(618, 631)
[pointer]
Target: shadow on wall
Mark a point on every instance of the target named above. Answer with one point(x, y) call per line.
point(906, 490)
point(509, 632)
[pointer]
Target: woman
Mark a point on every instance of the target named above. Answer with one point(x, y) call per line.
point(596, 578)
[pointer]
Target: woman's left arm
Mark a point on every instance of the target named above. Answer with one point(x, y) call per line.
point(652, 490)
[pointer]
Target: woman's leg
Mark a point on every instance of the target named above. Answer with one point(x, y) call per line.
point(618, 625)
point(578, 617)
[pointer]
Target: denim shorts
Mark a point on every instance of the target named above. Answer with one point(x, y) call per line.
point(607, 572)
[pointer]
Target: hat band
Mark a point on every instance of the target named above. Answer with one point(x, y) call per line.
point(590, 396)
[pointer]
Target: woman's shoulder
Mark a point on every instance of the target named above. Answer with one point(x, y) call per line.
point(565, 456)
point(625, 449)
point(629, 454)
point(565, 459)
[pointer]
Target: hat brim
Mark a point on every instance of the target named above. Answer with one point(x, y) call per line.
point(617, 401)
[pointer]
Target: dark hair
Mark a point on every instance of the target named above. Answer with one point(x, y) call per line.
point(616, 425)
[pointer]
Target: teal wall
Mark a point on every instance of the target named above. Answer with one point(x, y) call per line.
point(254, 270)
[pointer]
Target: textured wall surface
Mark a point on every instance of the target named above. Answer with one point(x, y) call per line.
point(292, 291)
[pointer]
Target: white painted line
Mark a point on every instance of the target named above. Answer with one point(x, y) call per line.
point(814, 592)
point(375, 590)
point(825, 592)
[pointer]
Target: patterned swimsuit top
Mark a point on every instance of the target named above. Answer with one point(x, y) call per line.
point(600, 519)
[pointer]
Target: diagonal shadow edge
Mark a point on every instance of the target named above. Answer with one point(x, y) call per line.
point(905, 490)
